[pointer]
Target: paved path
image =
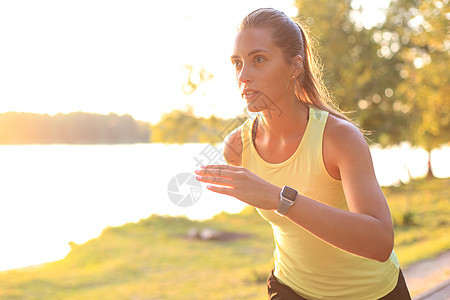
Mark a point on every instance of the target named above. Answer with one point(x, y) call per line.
point(429, 279)
point(440, 292)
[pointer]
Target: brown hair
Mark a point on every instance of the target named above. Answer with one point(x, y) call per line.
point(293, 40)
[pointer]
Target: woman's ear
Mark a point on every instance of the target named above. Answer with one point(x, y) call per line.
point(298, 66)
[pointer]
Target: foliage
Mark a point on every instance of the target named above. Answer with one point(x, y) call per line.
point(419, 31)
point(72, 128)
point(153, 259)
point(358, 78)
point(394, 75)
point(184, 127)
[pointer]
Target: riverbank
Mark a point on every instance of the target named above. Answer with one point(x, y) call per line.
point(227, 257)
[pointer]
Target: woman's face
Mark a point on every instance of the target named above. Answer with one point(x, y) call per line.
point(263, 74)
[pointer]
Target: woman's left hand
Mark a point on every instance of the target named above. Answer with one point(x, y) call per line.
point(240, 183)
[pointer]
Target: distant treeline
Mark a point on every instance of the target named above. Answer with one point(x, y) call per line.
point(72, 128)
point(184, 127)
point(178, 126)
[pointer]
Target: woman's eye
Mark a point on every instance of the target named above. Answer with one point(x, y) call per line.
point(259, 59)
point(236, 63)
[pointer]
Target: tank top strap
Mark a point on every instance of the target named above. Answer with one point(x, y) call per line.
point(318, 119)
point(318, 115)
point(246, 137)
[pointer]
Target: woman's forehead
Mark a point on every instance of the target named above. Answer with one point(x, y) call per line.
point(248, 40)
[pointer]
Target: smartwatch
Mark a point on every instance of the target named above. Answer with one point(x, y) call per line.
point(287, 199)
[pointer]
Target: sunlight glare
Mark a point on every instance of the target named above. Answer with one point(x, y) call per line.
point(440, 161)
point(122, 57)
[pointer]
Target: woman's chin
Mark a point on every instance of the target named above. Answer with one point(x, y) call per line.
point(252, 107)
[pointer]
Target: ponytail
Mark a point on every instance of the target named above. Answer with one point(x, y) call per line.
point(310, 87)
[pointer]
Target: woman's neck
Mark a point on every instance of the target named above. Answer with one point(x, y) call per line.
point(291, 117)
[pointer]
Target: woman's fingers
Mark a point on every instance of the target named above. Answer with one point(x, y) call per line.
point(240, 183)
point(220, 172)
point(222, 190)
point(217, 174)
point(222, 167)
point(216, 180)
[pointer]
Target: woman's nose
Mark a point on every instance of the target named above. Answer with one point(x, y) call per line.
point(244, 75)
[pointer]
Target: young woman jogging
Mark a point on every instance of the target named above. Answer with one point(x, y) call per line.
point(307, 170)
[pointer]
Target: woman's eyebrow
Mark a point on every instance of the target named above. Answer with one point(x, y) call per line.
point(251, 53)
point(256, 51)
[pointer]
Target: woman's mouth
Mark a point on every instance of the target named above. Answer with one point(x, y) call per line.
point(250, 94)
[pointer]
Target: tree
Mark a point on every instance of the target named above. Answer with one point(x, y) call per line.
point(395, 75)
point(422, 27)
point(424, 44)
point(360, 80)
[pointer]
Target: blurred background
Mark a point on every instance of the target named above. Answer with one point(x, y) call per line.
point(103, 103)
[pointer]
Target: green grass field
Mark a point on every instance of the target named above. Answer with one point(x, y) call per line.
point(153, 259)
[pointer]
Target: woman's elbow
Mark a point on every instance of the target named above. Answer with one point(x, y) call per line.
point(384, 252)
point(384, 256)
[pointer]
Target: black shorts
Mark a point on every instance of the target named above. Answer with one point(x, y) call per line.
point(279, 291)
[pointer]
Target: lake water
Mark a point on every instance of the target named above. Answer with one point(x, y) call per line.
point(51, 195)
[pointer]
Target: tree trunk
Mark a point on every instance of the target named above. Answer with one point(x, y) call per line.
point(430, 174)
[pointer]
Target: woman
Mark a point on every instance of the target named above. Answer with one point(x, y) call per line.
point(308, 171)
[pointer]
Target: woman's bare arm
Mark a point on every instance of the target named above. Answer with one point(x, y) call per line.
point(365, 230)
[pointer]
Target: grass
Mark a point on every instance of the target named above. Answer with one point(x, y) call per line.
point(420, 212)
point(152, 259)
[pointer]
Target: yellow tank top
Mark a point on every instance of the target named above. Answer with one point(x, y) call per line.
point(311, 267)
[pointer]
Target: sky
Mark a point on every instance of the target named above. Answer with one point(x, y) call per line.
point(106, 56)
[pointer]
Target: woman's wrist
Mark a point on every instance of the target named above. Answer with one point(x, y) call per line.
point(274, 197)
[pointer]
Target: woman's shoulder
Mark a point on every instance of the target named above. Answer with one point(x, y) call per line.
point(343, 141)
point(232, 151)
point(340, 130)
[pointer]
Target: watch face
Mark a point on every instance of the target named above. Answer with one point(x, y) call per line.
point(289, 193)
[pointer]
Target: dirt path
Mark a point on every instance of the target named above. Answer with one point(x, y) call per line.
point(425, 275)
